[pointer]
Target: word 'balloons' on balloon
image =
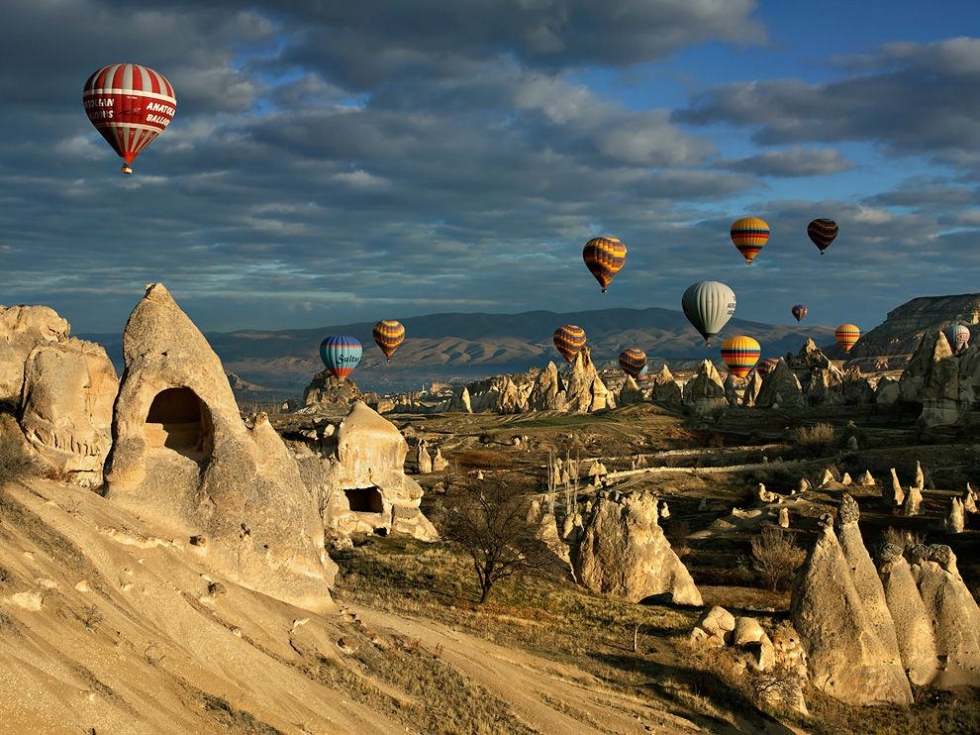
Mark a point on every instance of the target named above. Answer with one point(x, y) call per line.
point(847, 336)
point(798, 311)
point(604, 257)
point(958, 337)
point(340, 354)
point(822, 232)
point(708, 305)
point(388, 335)
point(740, 354)
point(750, 234)
point(129, 105)
point(569, 341)
point(632, 361)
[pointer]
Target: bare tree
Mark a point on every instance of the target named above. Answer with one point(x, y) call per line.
point(490, 521)
point(776, 556)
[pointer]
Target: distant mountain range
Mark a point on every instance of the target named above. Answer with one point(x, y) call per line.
point(453, 347)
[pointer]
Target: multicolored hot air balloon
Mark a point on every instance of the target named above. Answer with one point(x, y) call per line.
point(708, 305)
point(129, 105)
point(847, 336)
point(340, 354)
point(767, 366)
point(958, 336)
point(388, 334)
point(569, 340)
point(822, 232)
point(632, 361)
point(740, 354)
point(750, 234)
point(798, 311)
point(604, 257)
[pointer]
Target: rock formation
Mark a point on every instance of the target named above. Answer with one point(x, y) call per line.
point(623, 552)
point(22, 328)
point(847, 658)
point(893, 495)
point(665, 388)
point(913, 501)
point(932, 379)
point(955, 521)
point(705, 392)
point(630, 393)
point(329, 393)
point(780, 388)
point(182, 458)
point(916, 641)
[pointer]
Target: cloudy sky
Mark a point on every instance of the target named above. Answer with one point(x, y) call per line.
point(340, 161)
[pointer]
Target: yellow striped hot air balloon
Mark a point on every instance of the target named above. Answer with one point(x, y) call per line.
point(750, 234)
point(604, 257)
point(740, 354)
point(632, 361)
point(569, 341)
point(388, 335)
point(847, 336)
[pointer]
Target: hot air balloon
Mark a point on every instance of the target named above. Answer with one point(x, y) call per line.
point(633, 361)
point(340, 354)
point(767, 366)
point(750, 234)
point(798, 311)
point(569, 340)
point(958, 337)
point(740, 354)
point(129, 105)
point(388, 334)
point(847, 336)
point(822, 232)
point(604, 257)
point(708, 305)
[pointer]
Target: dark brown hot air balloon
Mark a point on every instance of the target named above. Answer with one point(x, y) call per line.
point(604, 257)
point(569, 341)
point(388, 334)
point(822, 232)
point(632, 361)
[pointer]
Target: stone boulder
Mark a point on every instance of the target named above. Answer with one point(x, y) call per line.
point(847, 658)
point(183, 459)
point(66, 411)
point(916, 640)
point(623, 552)
point(22, 328)
point(715, 627)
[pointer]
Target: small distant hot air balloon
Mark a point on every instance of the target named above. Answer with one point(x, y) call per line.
point(798, 311)
point(604, 257)
point(847, 336)
point(767, 366)
point(340, 354)
point(822, 232)
point(569, 340)
point(708, 305)
point(129, 105)
point(633, 361)
point(750, 234)
point(740, 354)
point(388, 334)
point(958, 336)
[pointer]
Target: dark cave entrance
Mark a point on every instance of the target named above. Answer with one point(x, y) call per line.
point(365, 499)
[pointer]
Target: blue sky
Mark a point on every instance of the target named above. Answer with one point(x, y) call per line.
point(333, 162)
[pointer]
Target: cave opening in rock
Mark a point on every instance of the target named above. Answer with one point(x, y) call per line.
point(365, 499)
point(180, 421)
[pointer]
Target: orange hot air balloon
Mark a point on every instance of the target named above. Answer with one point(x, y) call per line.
point(740, 354)
point(569, 341)
point(632, 361)
point(130, 105)
point(847, 336)
point(388, 335)
point(750, 234)
point(604, 257)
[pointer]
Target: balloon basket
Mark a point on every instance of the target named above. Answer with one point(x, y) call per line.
point(126, 169)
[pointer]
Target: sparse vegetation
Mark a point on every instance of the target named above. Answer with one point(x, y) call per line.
point(776, 557)
point(817, 438)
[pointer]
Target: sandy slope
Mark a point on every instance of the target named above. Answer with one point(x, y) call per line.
point(106, 627)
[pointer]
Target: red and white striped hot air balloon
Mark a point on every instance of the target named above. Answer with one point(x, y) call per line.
point(129, 105)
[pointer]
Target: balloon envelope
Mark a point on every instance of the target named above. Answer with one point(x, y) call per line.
point(708, 305)
point(798, 311)
point(633, 361)
point(569, 341)
point(604, 257)
point(388, 335)
point(767, 366)
point(847, 336)
point(340, 354)
point(958, 336)
point(822, 232)
point(750, 234)
point(129, 105)
point(740, 354)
